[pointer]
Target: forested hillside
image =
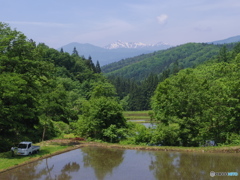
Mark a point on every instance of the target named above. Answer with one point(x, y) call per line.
point(201, 104)
point(44, 93)
point(191, 106)
point(140, 67)
point(136, 78)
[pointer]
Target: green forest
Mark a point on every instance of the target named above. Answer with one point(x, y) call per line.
point(190, 105)
point(193, 96)
point(136, 79)
point(140, 67)
point(45, 93)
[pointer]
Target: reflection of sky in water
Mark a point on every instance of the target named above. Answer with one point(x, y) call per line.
point(143, 122)
point(149, 125)
point(58, 162)
point(140, 120)
point(105, 163)
point(176, 159)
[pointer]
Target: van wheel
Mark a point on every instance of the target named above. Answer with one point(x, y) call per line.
point(29, 153)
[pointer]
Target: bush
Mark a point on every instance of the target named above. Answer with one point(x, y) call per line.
point(113, 134)
point(101, 118)
point(166, 135)
point(233, 139)
point(61, 128)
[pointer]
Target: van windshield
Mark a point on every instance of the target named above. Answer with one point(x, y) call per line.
point(22, 146)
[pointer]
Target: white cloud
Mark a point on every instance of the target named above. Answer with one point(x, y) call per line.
point(162, 18)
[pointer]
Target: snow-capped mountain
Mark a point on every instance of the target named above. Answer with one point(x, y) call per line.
point(114, 52)
point(134, 45)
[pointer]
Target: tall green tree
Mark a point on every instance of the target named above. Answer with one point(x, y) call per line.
point(22, 77)
point(223, 54)
point(75, 52)
point(98, 68)
point(100, 114)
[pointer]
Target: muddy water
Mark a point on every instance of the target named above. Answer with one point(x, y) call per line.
point(91, 163)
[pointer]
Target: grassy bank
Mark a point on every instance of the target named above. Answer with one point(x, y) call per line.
point(54, 147)
point(136, 115)
point(47, 149)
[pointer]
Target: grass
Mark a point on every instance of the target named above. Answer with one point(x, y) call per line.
point(136, 115)
point(7, 161)
point(65, 136)
point(209, 149)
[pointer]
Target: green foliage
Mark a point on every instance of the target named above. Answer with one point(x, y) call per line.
point(61, 128)
point(137, 77)
point(113, 134)
point(135, 96)
point(136, 134)
point(124, 103)
point(98, 67)
point(99, 114)
point(233, 139)
point(161, 135)
point(140, 67)
point(223, 55)
point(204, 102)
point(166, 135)
point(39, 86)
point(102, 90)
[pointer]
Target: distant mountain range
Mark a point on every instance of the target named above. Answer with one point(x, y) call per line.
point(113, 52)
point(186, 55)
point(121, 50)
point(228, 40)
point(139, 45)
point(140, 67)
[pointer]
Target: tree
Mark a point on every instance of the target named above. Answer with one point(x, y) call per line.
point(41, 89)
point(102, 89)
point(98, 68)
point(54, 107)
point(223, 54)
point(203, 102)
point(98, 114)
point(90, 64)
point(23, 75)
point(18, 113)
point(75, 52)
point(236, 50)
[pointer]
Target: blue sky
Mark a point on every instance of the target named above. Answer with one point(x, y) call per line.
point(101, 22)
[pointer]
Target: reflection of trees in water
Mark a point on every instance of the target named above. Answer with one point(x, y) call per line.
point(31, 171)
point(66, 171)
point(163, 164)
point(28, 171)
point(102, 160)
point(191, 166)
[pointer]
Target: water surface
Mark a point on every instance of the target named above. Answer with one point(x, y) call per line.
point(105, 163)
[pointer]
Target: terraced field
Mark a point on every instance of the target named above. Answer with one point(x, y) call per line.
point(136, 115)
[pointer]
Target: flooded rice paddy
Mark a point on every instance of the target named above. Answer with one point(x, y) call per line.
point(101, 163)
